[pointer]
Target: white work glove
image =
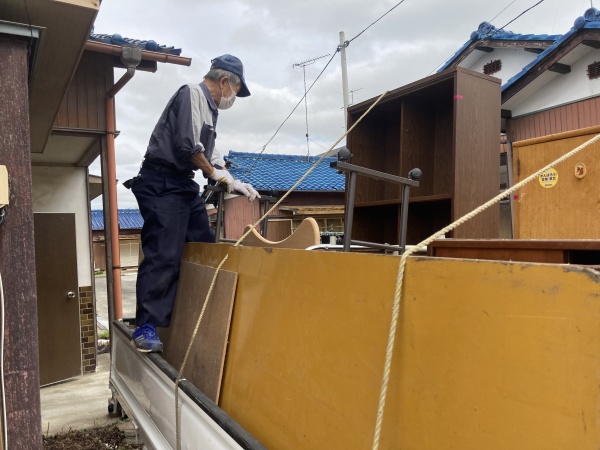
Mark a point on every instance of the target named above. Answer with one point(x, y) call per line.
point(224, 177)
point(246, 189)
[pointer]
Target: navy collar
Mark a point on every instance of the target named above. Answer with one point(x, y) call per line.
point(211, 101)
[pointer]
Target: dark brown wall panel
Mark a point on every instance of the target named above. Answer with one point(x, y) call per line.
point(84, 103)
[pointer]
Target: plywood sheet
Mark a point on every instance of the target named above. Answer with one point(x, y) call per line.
point(205, 363)
point(489, 355)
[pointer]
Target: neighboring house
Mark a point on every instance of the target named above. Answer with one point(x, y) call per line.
point(130, 229)
point(550, 105)
point(550, 83)
point(320, 195)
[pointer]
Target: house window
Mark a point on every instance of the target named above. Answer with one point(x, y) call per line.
point(492, 67)
point(594, 70)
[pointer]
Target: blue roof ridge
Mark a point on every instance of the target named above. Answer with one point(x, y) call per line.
point(278, 156)
point(150, 45)
point(590, 19)
point(488, 31)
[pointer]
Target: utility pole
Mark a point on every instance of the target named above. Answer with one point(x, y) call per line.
point(303, 65)
point(342, 48)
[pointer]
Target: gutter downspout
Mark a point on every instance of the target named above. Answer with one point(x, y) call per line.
point(130, 57)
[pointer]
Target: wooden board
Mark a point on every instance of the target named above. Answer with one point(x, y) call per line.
point(205, 363)
point(306, 235)
point(571, 208)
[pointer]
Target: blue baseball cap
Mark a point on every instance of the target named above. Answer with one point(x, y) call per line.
point(234, 65)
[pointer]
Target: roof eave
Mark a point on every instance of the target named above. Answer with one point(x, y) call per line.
point(112, 49)
point(546, 59)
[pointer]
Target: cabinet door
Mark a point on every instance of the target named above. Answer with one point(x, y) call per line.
point(559, 205)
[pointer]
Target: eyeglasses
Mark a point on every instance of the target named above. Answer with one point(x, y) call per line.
point(235, 91)
point(232, 89)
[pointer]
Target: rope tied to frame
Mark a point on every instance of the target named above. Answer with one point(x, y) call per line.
point(238, 242)
point(429, 240)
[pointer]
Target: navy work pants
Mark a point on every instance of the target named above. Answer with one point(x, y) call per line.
point(173, 215)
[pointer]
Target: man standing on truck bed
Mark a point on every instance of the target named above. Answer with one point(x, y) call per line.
point(182, 142)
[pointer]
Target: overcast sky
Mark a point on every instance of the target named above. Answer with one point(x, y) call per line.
point(270, 36)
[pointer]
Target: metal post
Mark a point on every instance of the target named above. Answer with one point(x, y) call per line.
point(264, 224)
point(343, 45)
point(110, 292)
point(404, 217)
point(349, 215)
point(511, 182)
point(220, 216)
point(415, 175)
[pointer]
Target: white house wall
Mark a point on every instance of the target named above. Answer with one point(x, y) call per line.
point(64, 190)
point(561, 89)
point(513, 61)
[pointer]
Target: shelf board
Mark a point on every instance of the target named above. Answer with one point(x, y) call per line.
point(398, 201)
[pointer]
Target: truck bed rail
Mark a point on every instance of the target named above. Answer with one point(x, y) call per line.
point(144, 385)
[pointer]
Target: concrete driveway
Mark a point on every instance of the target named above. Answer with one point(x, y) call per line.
point(128, 279)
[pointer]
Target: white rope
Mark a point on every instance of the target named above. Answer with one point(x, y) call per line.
point(429, 240)
point(239, 241)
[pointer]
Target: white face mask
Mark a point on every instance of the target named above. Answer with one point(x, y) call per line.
point(227, 102)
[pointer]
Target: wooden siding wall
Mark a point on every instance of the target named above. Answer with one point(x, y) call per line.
point(573, 116)
point(239, 213)
point(83, 105)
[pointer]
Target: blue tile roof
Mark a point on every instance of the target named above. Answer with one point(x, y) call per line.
point(117, 39)
point(280, 172)
point(128, 219)
point(589, 20)
point(489, 32)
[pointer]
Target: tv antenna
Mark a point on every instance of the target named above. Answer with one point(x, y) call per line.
point(303, 65)
point(352, 94)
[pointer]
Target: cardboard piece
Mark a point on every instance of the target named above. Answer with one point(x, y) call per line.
point(206, 360)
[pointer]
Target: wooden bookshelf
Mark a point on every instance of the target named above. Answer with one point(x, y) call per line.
point(447, 125)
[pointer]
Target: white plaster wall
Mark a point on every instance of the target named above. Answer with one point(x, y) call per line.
point(513, 61)
point(64, 190)
point(562, 89)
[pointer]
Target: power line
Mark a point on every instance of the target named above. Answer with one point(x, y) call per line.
point(385, 14)
point(505, 8)
point(306, 91)
point(264, 147)
point(494, 33)
point(528, 9)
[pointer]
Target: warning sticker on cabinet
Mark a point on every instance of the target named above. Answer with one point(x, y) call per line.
point(548, 178)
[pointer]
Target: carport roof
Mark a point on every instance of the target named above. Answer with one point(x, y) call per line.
point(129, 219)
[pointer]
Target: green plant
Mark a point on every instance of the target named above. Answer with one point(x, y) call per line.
point(104, 334)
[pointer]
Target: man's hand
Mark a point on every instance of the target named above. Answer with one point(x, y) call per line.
point(246, 189)
point(224, 177)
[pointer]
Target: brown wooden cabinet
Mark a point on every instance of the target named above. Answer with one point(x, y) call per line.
point(447, 125)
